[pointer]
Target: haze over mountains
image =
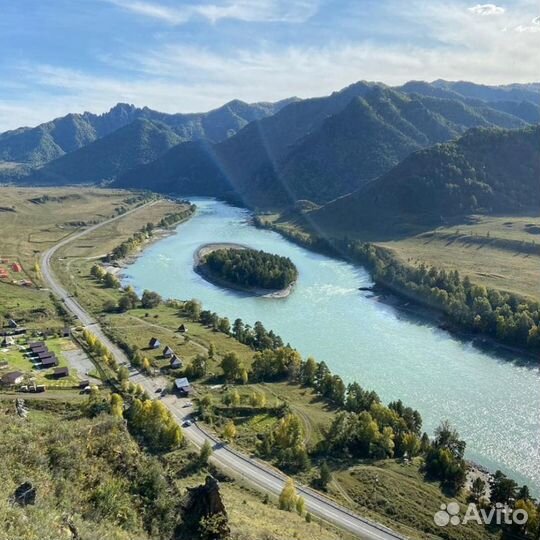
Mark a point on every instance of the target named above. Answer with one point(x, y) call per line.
point(378, 150)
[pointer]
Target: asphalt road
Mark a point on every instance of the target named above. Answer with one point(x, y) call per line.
point(254, 472)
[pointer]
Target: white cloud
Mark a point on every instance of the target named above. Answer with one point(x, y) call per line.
point(536, 20)
point(527, 28)
point(242, 10)
point(155, 11)
point(487, 9)
point(176, 77)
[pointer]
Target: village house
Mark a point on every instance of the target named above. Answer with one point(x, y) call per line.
point(175, 362)
point(49, 361)
point(60, 372)
point(168, 352)
point(16, 267)
point(14, 377)
point(183, 386)
point(154, 343)
point(182, 329)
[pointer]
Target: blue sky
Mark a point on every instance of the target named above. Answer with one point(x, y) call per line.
point(61, 56)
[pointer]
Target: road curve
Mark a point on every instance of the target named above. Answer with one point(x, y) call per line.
point(258, 474)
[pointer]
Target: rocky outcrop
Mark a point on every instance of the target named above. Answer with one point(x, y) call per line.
point(204, 512)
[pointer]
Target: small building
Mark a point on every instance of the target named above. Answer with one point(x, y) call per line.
point(175, 362)
point(154, 343)
point(3, 273)
point(182, 329)
point(49, 362)
point(37, 346)
point(66, 332)
point(60, 372)
point(14, 377)
point(183, 386)
point(7, 341)
point(43, 355)
point(16, 267)
point(168, 352)
point(12, 323)
point(84, 383)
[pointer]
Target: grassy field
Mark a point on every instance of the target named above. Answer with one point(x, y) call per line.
point(313, 412)
point(73, 262)
point(41, 217)
point(398, 495)
point(18, 361)
point(502, 252)
point(32, 220)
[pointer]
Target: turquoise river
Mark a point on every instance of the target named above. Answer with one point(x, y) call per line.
point(493, 399)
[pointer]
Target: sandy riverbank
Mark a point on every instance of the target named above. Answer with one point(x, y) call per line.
point(200, 268)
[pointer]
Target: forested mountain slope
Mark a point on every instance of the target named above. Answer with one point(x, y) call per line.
point(318, 149)
point(486, 171)
point(137, 143)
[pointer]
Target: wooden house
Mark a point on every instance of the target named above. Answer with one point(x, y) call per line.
point(175, 362)
point(60, 372)
point(13, 377)
point(182, 386)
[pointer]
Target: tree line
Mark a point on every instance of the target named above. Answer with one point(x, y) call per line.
point(256, 337)
point(505, 316)
point(134, 242)
point(250, 268)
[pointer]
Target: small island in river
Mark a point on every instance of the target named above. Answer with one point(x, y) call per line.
point(242, 268)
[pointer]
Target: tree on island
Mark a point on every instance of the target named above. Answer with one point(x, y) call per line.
point(251, 269)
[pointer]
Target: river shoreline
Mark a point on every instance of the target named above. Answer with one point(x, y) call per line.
point(200, 268)
point(403, 301)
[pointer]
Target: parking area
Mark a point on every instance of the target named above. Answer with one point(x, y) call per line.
point(78, 360)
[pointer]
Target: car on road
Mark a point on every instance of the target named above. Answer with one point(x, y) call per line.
point(159, 390)
point(188, 404)
point(187, 423)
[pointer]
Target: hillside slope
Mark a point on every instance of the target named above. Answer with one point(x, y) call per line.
point(135, 144)
point(486, 171)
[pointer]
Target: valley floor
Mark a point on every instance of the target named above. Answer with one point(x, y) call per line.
point(389, 491)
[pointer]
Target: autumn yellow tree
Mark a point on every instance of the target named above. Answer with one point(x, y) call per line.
point(117, 405)
point(288, 496)
point(229, 432)
point(146, 366)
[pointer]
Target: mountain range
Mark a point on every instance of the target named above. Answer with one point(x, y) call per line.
point(318, 149)
point(38, 145)
point(363, 154)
